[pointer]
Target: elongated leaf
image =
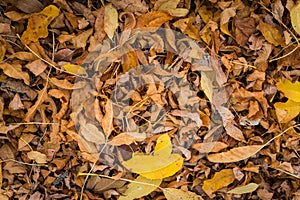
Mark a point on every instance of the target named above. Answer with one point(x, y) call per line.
point(75, 69)
point(110, 20)
point(220, 179)
point(163, 145)
point(176, 194)
point(234, 155)
point(136, 190)
point(295, 18)
point(244, 189)
point(155, 167)
point(271, 34)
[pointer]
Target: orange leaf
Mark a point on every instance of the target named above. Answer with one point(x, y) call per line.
point(153, 19)
point(186, 26)
point(271, 34)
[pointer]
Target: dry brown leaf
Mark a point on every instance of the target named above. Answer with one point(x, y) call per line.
point(16, 103)
point(207, 147)
point(25, 139)
point(186, 26)
point(107, 120)
point(80, 40)
point(91, 133)
point(224, 19)
point(131, 5)
point(37, 24)
point(153, 19)
point(37, 156)
point(65, 84)
point(2, 48)
point(271, 34)
point(178, 194)
point(15, 71)
point(235, 154)
point(36, 67)
point(129, 61)
point(244, 28)
point(127, 138)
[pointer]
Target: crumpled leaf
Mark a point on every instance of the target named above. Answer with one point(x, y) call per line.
point(290, 90)
point(37, 156)
point(244, 189)
point(219, 180)
point(271, 34)
point(75, 69)
point(110, 20)
point(295, 18)
point(155, 167)
point(287, 111)
point(163, 145)
point(224, 19)
point(177, 194)
point(136, 190)
point(235, 154)
point(153, 19)
point(38, 23)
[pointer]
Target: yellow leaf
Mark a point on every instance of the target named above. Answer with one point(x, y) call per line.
point(290, 90)
point(219, 180)
point(244, 189)
point(295, 18)
point(37, 156)
point(155, 167)
point(136, 190)
point(110, 20)
point(129, 61)
point(287, 111)
point(205, 13)
point(271, 34)
point(235, 154)
point(186, 26)
point(163, 145)
point(176, 194)
point(38, 23)
point(75, 69)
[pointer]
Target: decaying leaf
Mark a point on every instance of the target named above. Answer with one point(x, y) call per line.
point(219, 180)
point(177, 194)
point(295, 17)
point(37, 156)
point(155, 167)
point(110, 20)
point(38, 23)
point(251, 187)
point(140, 187)
point(235, 154)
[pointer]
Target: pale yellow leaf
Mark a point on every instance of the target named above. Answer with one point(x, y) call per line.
point(244, 189)
point(110, 20)
point(163, 145)
point(290, 90)
point(140, 187)
point(220, 179)
point(155, 167)
point(165, 5)
point(206, 84)
point(295, 18)
point(75, 69)
point(177, 194)
point(287, 111)
point(178, 12)
point(235, 154)
point(37, 156)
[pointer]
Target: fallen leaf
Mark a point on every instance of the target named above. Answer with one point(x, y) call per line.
point(155, 167)
point(251, 187)
point(207, 147)
point(36, 67)
point(290, 90)
point(271, 34)
point(205, 13)
point(135, 5)
point(80, 40)
point(235, 154)
point(177, 194)
point(224, 19)
point(15, 71)
point(75, 69)
point(127, 138)
point(16, 103)
point(107, 120)
point(153, 19)
point(163, 145)
point(25, 139)
point(220, 179)
point(129, 61)
point(295, 18)
point(110, 20)
point(2, 48)
point(244, 28)
point(287, 111)
point(91, 133)
point(140, 187)
point(37, 156)
point(186, 26)
point(38, 23)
